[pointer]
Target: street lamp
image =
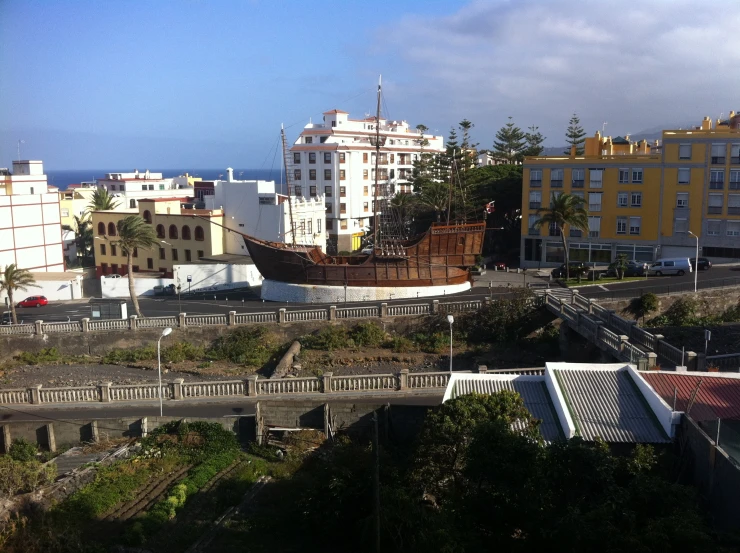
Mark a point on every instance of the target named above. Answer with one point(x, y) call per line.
point(179, 303)
point(450, 319)
point(166, 332)
point(696, 261)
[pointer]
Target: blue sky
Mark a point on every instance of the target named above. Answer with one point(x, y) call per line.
point(90, 84)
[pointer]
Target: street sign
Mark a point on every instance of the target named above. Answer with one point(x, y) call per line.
point(190, 278)
point(707, 335)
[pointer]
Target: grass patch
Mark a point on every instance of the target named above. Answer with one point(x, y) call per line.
point(573, 282)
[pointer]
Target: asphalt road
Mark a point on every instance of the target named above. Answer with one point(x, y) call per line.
point(247, 301)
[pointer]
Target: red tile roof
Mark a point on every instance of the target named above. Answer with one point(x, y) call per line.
point(718, 397)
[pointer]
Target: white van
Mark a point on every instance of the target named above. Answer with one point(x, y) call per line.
point(673, 266)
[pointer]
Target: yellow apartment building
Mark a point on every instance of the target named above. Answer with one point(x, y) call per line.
point(185, 236)
point(643, 199)
point(73, 202)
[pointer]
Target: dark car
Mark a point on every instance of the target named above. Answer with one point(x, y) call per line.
point(634, 268)
point(6, 318)
point(703, 264)
point(576, 268)
point(33, 301)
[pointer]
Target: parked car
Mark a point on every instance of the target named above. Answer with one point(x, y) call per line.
point(33, 301)
point(634, 268)
point(7, 318)
point(673, 266)
point(586, 270)
point(498, 265)
point(114, 275)
point(168, 290)
point(703, 265)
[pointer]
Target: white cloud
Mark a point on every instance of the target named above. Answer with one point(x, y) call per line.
point(636, 66)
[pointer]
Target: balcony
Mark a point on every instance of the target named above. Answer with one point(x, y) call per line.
point(594, 207)
point(734, 185)
point(577, 184)
point(716, 185)
point(735, 160)
point(535, 183)
point(712, 210)
point(732, 210)
point(576, 233)
point(718, 160)
point(556, 183)
point(534, 232)
point(554, 232)
point(535, 205)
point(596, 233)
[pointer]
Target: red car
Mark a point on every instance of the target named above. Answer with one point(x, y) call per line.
point(33, 301)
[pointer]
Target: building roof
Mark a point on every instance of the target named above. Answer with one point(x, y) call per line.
point(333, 111)
point(718, 396)
point(607, 404)
point(532, 389)
point(620, 140)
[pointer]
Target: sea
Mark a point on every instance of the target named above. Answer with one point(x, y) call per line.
point(63, 178)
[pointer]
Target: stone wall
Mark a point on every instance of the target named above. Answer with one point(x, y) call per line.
point(710, 301)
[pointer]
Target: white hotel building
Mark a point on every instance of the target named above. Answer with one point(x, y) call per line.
point(337, 159)
point(30, 229)
point(132, 187)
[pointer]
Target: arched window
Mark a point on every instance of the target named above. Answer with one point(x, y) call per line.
point(173, 231)
point(160, 231)
point(111, 229)
point(147, 217)
point(186, 232)
point(101, 229)
point(199, 235)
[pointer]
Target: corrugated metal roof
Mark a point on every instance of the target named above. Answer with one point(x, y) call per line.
point(718, 398)
point(532, 390)
point(607, 404)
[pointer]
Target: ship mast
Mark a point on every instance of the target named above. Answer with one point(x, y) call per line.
point(286, 163)
point(376, 222)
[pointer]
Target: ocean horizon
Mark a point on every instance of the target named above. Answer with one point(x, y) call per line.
point(64, 177)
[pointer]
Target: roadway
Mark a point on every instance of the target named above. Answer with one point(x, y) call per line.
point(247, 301)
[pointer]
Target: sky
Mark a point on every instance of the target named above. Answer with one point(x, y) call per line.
point(207, 83)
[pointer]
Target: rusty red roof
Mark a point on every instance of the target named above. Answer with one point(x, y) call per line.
point(334, 111)
point(718, 397)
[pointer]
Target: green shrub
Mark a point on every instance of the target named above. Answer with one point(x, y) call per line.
point(436, 342)
point(400, 344)
point(368, 334)
point(328, 338)
point(642, 306)
point(46, 355)
point(196, 440)
point(682, 312)
point(23, 476)
point(246, 346)
point(21, 450)
point(132, 355)
point(504, 321)
point(182, 351)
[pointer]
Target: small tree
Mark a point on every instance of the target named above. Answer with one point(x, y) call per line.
point(101, 200)
point(575, 135)
point(134, 233)
point(642, 306)
point(534, 140)
point(509, 143)
point(564, 210)
point(621, 265)
point(14, 279)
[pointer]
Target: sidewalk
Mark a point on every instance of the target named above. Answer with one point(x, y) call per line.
point(497, 279)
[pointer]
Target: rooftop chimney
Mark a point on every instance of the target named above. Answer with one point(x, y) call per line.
point(229, 174)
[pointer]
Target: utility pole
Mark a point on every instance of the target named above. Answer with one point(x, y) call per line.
point(376, 482)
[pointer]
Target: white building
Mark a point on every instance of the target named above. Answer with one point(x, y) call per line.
point(132, 187)
point(484, 158)
point(336, 159)
point(30, 229)
point(254, 207)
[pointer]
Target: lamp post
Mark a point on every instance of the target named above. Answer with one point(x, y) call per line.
point(450, 319)
point(179, 302)
point(166, 332)
point(696, 261)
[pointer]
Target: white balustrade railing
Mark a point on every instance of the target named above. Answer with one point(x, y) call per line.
point(600, 313)
point(728, 362)
point(632, 353)
point(246, 318)
point(72, 326)
point(139, 391)
point(672, 354)
point(205, 320)
point(580, 301)
point(213, 389)
point(69, 395)
point(623, 326)
point(364, 382)
point(306, 315)
point(609, 338)
point(269, 386)
point(7, 330)
point(569, 312)
point(642, 337)
point(460, 306)
point(357, 312)
point(109, 324)
point(588, 326)
point(405, 310)
point(9, 397)
point(428, 380)
point(156, 322)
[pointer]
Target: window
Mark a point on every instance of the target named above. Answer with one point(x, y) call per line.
point(323, 139)
point(535, 200)
point(535, 178)
point(733, 204)
point(160, 231)
point(173, 232)
point(343, 224)
point(199, 234)
point(147, 216)
point(556, 178)
point(735, 154)
point(342, 191)
point(637, 176)
point(364, 174)
point(595, 177)
point(364, 157)
point(330, 224)
point(111, 229)
point(299, 191)
point(718, 154)
point(635, 224)
point(161, 186)
point(624, 176)
point(342, 175)
point(310, 226)
point(327, 191)
point(713, 227)
point(113, 251)
point(312, 157)
point(716, 201)
point(161, 253)
point(104, 268)
point(188, 257)
point(296, 157)
point(328, 208)
point(101, 229)
point(312, 174)
point(531, 221)
point(318, 226)
point(681, 226)
point(621, 225)
point(594, 227)
point(682, 199)
point(364, 207)
point(312, 191)
point(342, 208)
point(684, 151)
point(342, 157)
point(684, 176)
point(174, 254)
point(102, 249)
point(733, 228)
point(200, 254)
point(577, 178)
point(186, 232)
point(309, 140)
point(296, 174)
point(136, 252)
point(65, 212)
point(554, 229)
point(716, 180)
point(327, 157)
point(636, 199)
point(114, 268)
point(622, 199)
point(364, 190)
point(580, 195)
point(143, 186)
point(132, 204)
point(327, 174)
point(149, 263)
point(594, 201)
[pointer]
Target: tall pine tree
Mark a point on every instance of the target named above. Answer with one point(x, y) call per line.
point(509, 143)
point(575, 136)
point(534, 141)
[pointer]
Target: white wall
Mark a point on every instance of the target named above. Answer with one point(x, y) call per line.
point(54, 290)
point(217, 276)
point(118, 287)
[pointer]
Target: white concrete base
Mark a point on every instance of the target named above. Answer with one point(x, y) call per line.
point(273, 290)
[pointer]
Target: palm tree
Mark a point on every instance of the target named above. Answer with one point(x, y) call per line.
point(14, 279)
point(101, 200)
point(435, 195)
point(565, 210)
point(134, 233)
point(83, 235)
